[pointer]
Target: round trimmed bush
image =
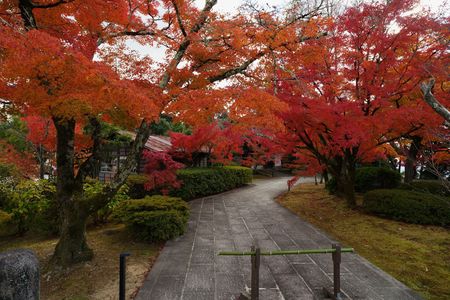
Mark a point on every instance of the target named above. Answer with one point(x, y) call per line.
point(408, 206)
point(371, 178)
point(155, 218)
point(158, 225)
point(427, 186)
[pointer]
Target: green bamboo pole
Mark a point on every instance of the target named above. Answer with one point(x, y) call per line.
point(285, 252)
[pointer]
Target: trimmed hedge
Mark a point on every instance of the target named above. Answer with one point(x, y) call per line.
point(371, 178)
point(408, 206)
point(427, 186)
point(201, 182)
point(155, 218)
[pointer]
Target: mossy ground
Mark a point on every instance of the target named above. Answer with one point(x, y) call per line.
point(98, 278)
point(419, 256)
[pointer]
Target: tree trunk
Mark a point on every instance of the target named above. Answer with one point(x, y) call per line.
point(72, 247)
point(325, 176)
point(411, 159)
point(343, 170)
point(41, 162)
point(345, 188)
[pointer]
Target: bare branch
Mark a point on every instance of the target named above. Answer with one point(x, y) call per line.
point(180, 21)
point(432, 101)
point(186, 42)
point(237, 70)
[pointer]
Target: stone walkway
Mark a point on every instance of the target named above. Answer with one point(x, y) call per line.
point(189, 268)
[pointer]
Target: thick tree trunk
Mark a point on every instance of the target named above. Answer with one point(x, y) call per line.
point(411, 159)
point(75, 208)
point(346, 189)
point(343, 170)
point(72, 247)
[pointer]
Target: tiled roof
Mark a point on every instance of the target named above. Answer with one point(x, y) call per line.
point(156, 143)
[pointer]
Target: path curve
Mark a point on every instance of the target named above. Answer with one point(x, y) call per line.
point(189, 268)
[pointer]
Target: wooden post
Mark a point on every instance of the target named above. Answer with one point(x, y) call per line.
point(256, 260)
point(122, 275)
point(336, 255)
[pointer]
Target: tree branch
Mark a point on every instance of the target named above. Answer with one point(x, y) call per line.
point(180, 21)
point(50, 5)
point(237, 70)
point(186, 42)
point(432, 101)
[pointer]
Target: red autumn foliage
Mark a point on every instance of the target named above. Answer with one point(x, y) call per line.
point(358, 89)
point(25, 163)
point(161, 171)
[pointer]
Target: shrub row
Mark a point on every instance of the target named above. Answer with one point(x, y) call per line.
point(427, 186)
point(408, 206)
point(203, 182)
point(370, 178)
point(155, 218)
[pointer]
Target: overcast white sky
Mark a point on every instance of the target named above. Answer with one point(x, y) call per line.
point(230, 6)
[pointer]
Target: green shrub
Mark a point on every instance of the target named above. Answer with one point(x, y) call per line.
point(371, 178)
point(33, 205)
point(408, 206)
point(8, 171)
point(92, 188)
point(6, 191)
point(155, 218)
point(9, 178)
point(135, 183)
point(201, 182)
point(7, 226)
point(427, 186)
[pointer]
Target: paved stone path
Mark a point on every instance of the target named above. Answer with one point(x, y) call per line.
point(189, 268)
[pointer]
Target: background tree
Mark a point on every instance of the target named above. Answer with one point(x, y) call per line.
point(46, 56)
point(357, 89)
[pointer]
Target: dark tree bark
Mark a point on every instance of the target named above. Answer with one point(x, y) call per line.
point(26, 12)
point(41, 160)
point(75, 208)
point(324, 176)
point(72, 246)
point(343, 169)
point(411, 159)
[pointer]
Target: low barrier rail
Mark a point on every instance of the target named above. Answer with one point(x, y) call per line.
point(256, 254)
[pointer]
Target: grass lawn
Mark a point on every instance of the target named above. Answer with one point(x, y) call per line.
point(419, 256)
point(97, 279)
